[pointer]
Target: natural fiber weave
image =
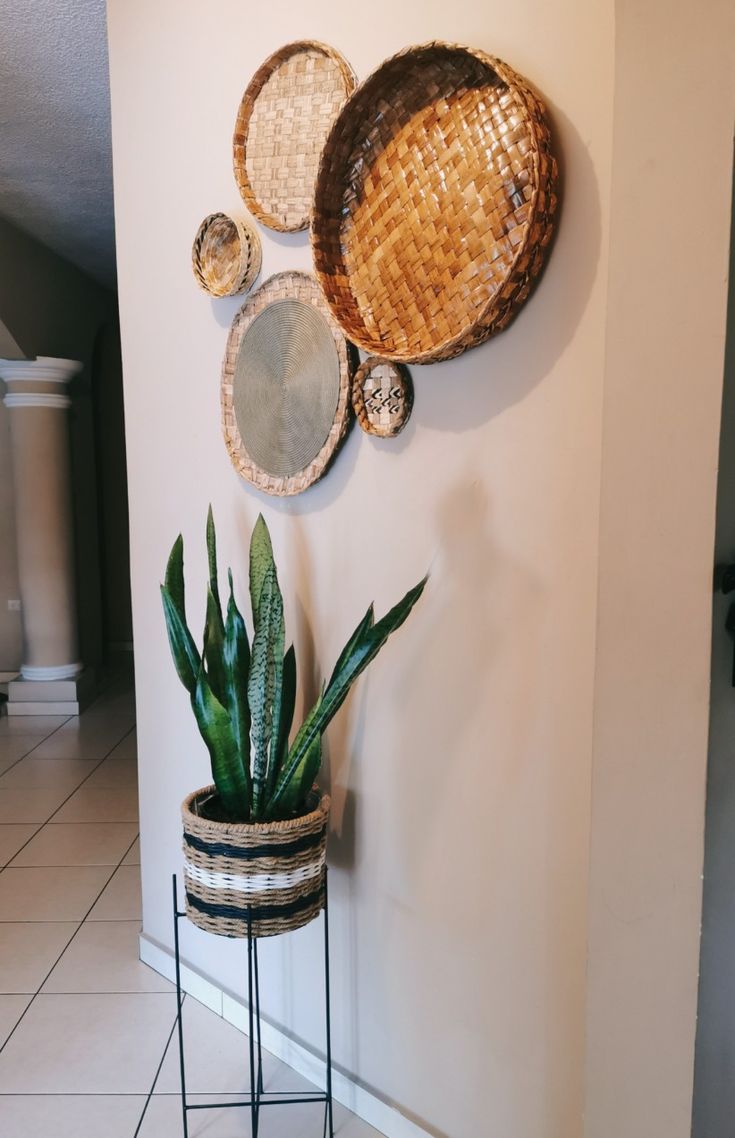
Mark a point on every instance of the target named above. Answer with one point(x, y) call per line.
point(225, 255)
point(382, 397)
point(268, 876)
point(434, 203)
point(286, 383)
point(283, 120)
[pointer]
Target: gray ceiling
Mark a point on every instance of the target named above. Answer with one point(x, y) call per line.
point(55, 150)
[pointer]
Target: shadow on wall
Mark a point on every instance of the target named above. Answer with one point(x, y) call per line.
point(508, 366)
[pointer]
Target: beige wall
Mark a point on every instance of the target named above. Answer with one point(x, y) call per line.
point(53, 309)
point(462, 767)
point(663, 386)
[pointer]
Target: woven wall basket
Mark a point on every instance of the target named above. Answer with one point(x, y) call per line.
point(382, 397)
point(225, 255)
point(286, 382)
point(434, 203)
point(282, 123)
point(270, 872)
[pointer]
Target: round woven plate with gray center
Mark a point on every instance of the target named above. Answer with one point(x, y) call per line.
point(286, 383)
point(286, 387)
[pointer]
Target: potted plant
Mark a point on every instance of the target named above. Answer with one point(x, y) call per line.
point(255, 840)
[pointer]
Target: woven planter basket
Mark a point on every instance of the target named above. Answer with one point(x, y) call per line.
point(282, 122)
point(225, 255)
point(273, 872)
point(434, 203)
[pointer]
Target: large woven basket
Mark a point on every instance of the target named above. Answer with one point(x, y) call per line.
point(266, 876)
point(434, 203)
point(282, 122)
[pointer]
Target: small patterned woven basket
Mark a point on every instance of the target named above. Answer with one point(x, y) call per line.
point(268, 876)
point(225, 255)
point(382, 397)
point(282, 122)
point(434, 203)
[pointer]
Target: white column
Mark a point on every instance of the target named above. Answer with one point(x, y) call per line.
point(37, 399)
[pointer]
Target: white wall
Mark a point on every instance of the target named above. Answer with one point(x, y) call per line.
point(461, 768)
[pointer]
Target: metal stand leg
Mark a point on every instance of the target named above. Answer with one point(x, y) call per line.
point(179, 1023)
point(258, 1096)
point(329, 1115)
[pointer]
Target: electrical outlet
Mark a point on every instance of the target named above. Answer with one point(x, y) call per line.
point(13, 606)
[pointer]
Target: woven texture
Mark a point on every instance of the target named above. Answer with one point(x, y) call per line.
point(268, 876)
point(286, 382)
point(225, 255)
point(434, 203)
point(382, 397)
point(282, 123)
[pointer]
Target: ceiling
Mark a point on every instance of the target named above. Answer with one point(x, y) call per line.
point(55, 149)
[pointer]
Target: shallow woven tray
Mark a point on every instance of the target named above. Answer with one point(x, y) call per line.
point(282, 123)
point(225, 255)
point(265, 876)
point(434, 203)
point(286, 382)
point(382, 397)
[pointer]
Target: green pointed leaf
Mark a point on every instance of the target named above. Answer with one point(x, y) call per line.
point(364, 650)
point(296, 792)
point(264, 685)
point(363, 627)
point(288, 702)
point(183, 649)
point(216, 729)
point(214, 639)
point(261, 560)
point(236, 654)
point(174, 579)
point(212, 558)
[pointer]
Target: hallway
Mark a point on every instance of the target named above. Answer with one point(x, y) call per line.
point(87, 1048)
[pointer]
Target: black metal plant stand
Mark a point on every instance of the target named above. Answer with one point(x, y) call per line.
point(257, 1096)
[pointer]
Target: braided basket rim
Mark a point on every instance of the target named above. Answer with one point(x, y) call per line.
point(249, 255)
point(195, 823)
point(245, 112)
point(533, 111)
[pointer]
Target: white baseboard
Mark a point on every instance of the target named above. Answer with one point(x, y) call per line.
point(381, 1115)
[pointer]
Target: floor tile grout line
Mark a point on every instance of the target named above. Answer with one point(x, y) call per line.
point(71, 795)
point(71, 938)
point(159, 1067)
point(36, 746)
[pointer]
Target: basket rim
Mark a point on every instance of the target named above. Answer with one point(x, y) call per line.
point(288, 825)
point(248, 257)
point(521, 91)
point(302, 286)
point(245, 112)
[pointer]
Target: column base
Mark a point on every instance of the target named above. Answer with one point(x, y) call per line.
point(52, 697)
point(55, 672)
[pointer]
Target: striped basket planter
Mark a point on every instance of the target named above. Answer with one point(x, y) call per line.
point(270, 874)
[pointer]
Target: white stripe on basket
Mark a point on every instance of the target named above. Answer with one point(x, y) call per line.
point(257, 883)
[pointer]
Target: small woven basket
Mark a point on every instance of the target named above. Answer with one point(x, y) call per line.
point(264, 876)
point(382, 397)
point(225, 255)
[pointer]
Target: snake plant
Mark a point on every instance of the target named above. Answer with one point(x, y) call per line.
point(243, 693)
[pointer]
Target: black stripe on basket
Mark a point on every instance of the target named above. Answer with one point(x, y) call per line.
point(249, 853)
point(257, 912)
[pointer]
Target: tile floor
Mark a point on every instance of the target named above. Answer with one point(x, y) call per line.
point(87, 1046)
